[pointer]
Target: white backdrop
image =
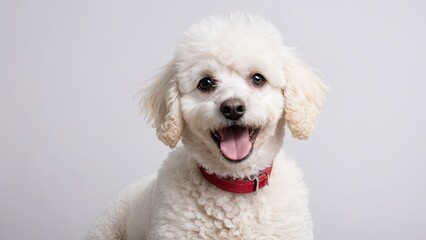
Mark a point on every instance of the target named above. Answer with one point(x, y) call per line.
point(71, 136)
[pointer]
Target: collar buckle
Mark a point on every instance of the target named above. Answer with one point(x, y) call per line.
point(256, 182)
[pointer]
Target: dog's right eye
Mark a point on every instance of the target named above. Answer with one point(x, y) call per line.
point(258, 79)
point(206, 84)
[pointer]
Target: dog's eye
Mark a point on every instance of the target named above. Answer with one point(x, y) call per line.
point(206, 84)
point(258, 79)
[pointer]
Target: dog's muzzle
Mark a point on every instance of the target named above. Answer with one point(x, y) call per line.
point(235, 141)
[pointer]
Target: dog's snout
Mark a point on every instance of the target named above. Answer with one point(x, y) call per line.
point(233, 109)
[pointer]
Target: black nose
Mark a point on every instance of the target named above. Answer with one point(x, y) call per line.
point(233, 109)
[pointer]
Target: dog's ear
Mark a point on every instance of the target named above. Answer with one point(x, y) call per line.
point(161, 104)
point(303, 93)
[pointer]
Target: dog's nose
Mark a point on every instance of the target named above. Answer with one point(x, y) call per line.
point(233, 109)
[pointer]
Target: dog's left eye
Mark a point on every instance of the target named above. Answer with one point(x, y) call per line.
point(206, 84)
point(258, 79)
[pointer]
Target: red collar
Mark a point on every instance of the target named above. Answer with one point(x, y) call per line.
point(239, 185)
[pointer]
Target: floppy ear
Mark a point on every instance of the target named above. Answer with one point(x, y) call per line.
point(161, 105)
point(303, 94)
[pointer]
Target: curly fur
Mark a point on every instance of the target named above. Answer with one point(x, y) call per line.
point(179, 203)
point(162, 107)
point(304, 93)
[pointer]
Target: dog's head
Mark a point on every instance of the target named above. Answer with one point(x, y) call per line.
point(228, 93)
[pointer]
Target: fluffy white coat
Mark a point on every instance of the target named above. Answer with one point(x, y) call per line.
point(179, 203)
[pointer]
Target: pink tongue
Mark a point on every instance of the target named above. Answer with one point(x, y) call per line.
point(235, 143)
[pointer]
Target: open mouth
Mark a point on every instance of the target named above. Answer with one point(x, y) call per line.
point(235, 142)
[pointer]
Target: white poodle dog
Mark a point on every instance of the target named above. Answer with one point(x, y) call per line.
point(228, 93)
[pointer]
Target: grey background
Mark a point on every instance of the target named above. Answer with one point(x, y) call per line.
point(71, 136)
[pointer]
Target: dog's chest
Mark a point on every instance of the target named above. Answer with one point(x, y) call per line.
point(194, 209)
point(187, 206)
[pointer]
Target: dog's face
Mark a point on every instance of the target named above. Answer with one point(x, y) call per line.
point(228, 93)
